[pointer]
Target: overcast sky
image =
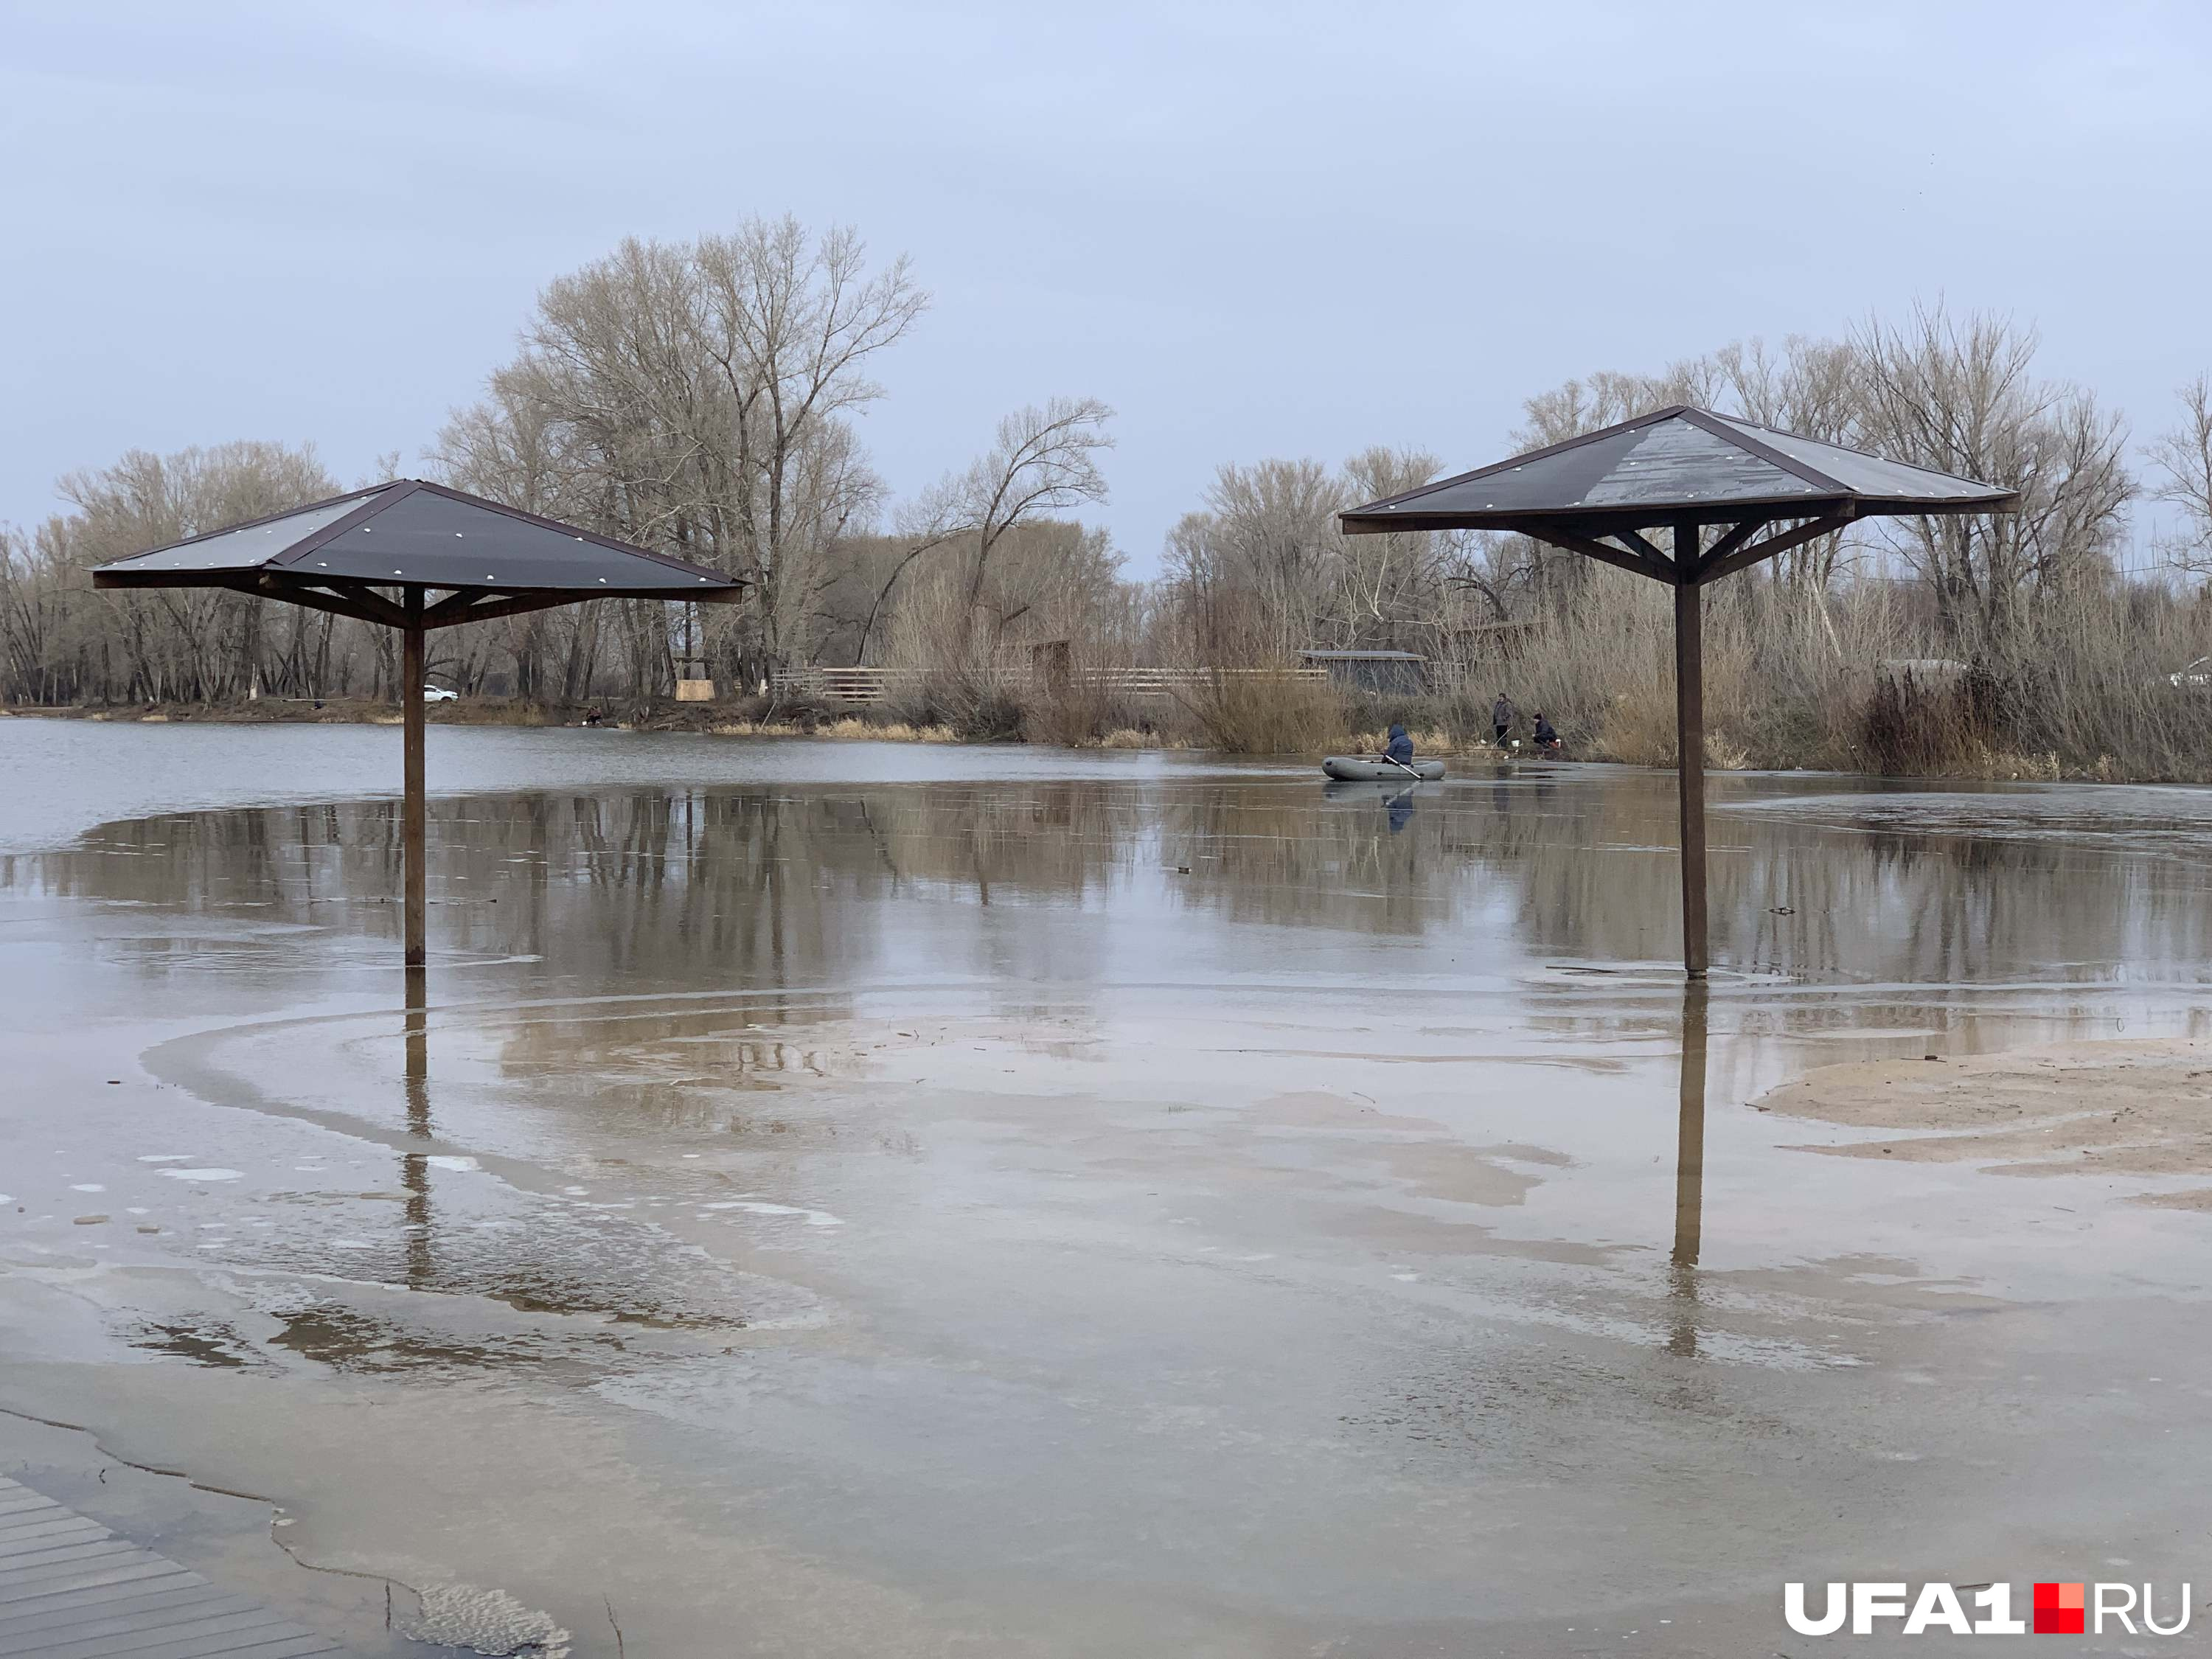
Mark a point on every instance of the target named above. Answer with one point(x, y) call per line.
point(1254, 230)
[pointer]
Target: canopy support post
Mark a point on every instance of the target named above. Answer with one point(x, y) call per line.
point(412, 811)
point(1690, 735)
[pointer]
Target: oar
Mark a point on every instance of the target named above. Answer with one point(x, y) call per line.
point(1402, 767)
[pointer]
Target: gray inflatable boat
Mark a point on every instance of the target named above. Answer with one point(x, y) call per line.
point(1372, 768)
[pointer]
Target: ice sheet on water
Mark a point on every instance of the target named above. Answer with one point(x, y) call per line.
point(483, 1620)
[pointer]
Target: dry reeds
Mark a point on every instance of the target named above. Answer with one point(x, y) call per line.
point(1856, 678)
point(950, 666)
point(1262, 712)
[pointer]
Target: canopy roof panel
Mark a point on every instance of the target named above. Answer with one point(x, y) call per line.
point(1672, 464)
point(245, 548)
point(412, 534)
point(1864, 474)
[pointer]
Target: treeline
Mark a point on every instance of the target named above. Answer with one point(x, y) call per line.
point(701, 399)
point(2015, 645)
point(695, 399)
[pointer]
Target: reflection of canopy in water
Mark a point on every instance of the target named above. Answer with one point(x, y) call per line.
point(1693, 473)
point(350, 555)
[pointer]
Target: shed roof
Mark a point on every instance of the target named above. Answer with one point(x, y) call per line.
point(409, 533)
point(1362, 656)
point(1677, 463)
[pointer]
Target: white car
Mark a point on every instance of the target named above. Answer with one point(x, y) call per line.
point(438, 694)
point(2196, 676)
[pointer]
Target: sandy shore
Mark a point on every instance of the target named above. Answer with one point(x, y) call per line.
point(2128, 1107)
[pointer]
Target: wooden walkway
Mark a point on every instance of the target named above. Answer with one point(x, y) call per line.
point(70, 1589)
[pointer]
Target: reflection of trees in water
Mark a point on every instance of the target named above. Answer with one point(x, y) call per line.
point(1621, 902)
point(788, 887)
point(1943, 907)
point(1292, 855)
point(648, 1072)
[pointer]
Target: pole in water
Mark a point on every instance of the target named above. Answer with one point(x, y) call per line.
point(1689, 1175)
point(1690, 747)
point(411, 810)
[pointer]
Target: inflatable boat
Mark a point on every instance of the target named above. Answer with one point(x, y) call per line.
point(1373, 768)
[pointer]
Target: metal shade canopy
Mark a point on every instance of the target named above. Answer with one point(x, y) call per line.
point(1690, 471)
point(347, 554)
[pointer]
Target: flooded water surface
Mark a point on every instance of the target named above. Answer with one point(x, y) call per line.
point(848, 1198)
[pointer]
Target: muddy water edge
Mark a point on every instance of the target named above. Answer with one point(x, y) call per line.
point(885, 1199)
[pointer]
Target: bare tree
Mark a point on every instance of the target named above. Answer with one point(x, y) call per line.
point(789, 327)
point(1385, 585)
point(1043, 460)
point(1264, 571)
point(1960, 397)
point(2184, 458)
point(698, 398)
point(188, 644)
point(1253, 564)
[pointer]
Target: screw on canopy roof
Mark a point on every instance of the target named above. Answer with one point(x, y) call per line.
point(346, 554)
point(1689, 470)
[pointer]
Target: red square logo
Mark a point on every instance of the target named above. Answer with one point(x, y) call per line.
point(2059, 1609)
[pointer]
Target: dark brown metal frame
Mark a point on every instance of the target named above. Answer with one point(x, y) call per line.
point(1614, 536)
point(414, 616)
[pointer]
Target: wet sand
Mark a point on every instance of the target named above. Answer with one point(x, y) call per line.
point(916, 1216)
point(2096, 1108)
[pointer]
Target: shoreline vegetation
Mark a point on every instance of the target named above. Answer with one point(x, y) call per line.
point(748, 717)
point(1337, 723)
point(702, 399)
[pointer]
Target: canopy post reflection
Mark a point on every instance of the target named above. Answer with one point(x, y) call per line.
point(414, 1167)
point(418, 1054)
point(1689, 1171)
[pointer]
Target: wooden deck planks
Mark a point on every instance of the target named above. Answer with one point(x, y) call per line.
point(70, 1589)
point(132, 1612)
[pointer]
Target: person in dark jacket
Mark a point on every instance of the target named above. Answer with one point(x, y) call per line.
point(1400, 748)
point(1503, 714)
point(1548, 737)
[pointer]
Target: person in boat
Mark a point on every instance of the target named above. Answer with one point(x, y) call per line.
point(1400, 748)
point(1548, 737)
point(1503, 714)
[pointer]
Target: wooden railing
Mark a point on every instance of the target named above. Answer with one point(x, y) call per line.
point(867, 685)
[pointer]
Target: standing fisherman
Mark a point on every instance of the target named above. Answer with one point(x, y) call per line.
point(1503, 714)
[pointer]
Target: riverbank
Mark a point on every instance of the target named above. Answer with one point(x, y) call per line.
point(1438, 726)
point(746, 718)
